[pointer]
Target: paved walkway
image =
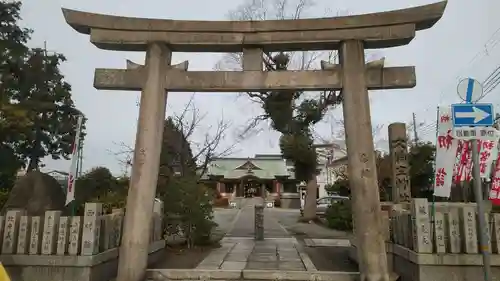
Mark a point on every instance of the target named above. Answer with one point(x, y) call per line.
point(239, 251)
point(326, 248)
point(243, 226)
point(270, 254)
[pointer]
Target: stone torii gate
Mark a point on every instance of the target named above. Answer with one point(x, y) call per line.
point(351, 35)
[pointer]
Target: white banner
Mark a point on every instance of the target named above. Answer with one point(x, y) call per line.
point(446, 151)
point(70, 192)
point(488, 151)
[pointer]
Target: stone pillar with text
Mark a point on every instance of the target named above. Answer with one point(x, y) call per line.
point(398, 147)
point(137, 227)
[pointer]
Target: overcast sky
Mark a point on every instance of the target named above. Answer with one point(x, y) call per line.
point(463, 43)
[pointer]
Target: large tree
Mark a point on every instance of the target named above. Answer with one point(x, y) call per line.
point(292, 114)
point(187, 203)
point(13, 51)
point(295, 119)
point(38, 117)
point(46, 97)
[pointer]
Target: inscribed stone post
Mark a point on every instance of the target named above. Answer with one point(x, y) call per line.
point(496, 233)
point(75, 235)
point(157, 220)
point(118, 225)
point(439, 232)
point(401, 191)
point(93, 209)
point(397, 229)
point(62, 236)
point(106, 232)
point(91, 229)
point(259, 223)
point(469, 230)
point(453, 230)
point(24, 235)
point(421, 226)
point(405, 230)
point(11, 231)
point(392, 227)
point(385, 226)
point(36, 235)
point(51, 225)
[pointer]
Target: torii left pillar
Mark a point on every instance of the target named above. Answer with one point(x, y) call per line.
point(137, 227)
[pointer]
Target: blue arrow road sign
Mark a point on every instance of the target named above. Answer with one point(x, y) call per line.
point(470, 115)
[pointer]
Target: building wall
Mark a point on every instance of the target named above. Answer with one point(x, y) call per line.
point(327, 173)
point(324, 178)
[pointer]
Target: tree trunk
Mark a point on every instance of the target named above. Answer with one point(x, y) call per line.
point(33, 164)
point(310, 203)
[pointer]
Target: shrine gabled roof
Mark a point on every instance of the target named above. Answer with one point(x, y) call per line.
point(260, 167)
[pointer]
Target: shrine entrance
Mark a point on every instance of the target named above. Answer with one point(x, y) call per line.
point(349, 35)
point(252, 188)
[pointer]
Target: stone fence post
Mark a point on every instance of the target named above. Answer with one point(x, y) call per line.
point(259, 222)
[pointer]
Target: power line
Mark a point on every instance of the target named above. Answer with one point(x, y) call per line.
point(492, 42)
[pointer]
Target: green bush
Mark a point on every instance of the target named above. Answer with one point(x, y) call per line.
point(339, 215)
point(4, 195)
point(188, 210)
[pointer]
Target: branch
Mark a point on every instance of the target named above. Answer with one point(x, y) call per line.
point(124, 155)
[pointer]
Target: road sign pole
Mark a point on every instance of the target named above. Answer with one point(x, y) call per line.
point(478, 192)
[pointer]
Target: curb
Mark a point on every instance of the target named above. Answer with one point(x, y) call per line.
point(247, 274)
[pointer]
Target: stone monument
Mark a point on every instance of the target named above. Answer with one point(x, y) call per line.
point(351, 35)
point(398, 146)
point(36, 192)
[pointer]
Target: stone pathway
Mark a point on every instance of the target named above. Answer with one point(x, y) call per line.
point(244, 223)
point(270, 254)
point(239, 251)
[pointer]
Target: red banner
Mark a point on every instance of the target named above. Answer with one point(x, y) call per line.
point(495, 184)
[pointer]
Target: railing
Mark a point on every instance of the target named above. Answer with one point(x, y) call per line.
point(450, 228)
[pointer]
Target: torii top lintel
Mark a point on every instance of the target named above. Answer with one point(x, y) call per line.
point(377, 30)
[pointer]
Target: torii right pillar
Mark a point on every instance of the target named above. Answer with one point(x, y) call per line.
point(370, 243)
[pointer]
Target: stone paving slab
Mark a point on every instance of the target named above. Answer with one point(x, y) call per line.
point(233, 265)
point(327, 242)
point(272, 254)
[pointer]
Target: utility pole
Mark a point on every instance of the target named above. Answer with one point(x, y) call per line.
point(415, 133)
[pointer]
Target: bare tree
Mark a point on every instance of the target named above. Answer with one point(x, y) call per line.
point(304, 60)
point(205, 142)
point(208, 146)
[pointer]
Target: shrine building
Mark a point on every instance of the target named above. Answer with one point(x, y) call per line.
point(268, 176)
